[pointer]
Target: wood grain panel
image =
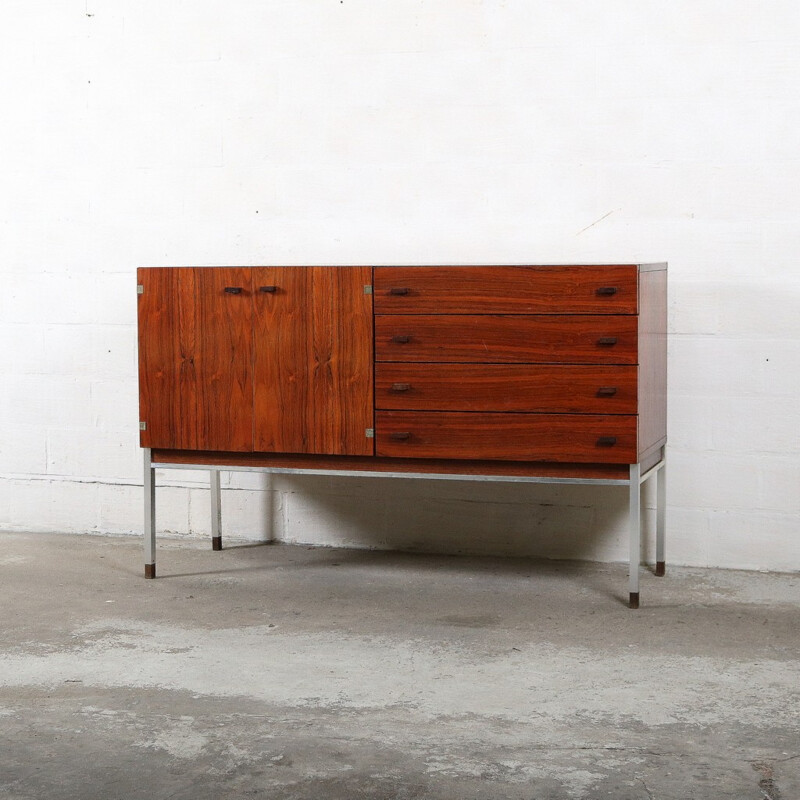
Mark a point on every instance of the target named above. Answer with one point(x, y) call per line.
point(282, 330)
point(506, 290)
point(375, 464)
point(506, 387)
point(342, 398)
point(195, 358)
point(313, 365)
point(524, 437)
point(569, 339)
point(652, 388)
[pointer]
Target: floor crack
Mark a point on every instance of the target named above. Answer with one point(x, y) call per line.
point(768, 785)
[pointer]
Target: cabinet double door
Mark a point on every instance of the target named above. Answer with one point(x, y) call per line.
point(265, 359)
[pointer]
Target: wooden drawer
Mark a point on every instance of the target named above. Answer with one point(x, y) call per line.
point(556, 388)
point(506, 290)
point(571, 339)
point(580, 438)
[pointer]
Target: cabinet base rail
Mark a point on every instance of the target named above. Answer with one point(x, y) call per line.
point(638, 474)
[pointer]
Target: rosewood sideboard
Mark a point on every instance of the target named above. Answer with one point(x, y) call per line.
point(541, 373)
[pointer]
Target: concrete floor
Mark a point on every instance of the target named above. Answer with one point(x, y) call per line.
point(285, 672)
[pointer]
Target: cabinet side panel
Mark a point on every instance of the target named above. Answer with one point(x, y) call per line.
point(652, 360)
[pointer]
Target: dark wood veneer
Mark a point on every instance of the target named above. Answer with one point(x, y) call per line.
point(579, 389)
point(280, 360)
point(523, 437)
point(195, 358)
point(313, 360)
point(506, 290)
point(542, 338)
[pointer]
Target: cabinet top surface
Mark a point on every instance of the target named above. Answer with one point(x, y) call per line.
point(657, 265)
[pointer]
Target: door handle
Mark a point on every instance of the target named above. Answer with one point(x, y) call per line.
point(607, 341)
point(400, 436)
point(400, 290)
point(606, 391)
point(606, 441)
point(400, 387)
point(401, 339)
point(268, 289)
point(607, 290)
point(233, 289)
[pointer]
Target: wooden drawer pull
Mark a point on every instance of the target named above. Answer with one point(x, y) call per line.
point(400, 290)
point(401, 339)
point(606, 391)
point(606, 441)
point(607, 341)
point(400, 387)
point(400, 436)
point(233, 289)
point(268, 289)
point(607, 290)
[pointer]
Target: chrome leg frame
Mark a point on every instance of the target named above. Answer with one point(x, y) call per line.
point(661, 517)
point(216, 512)
point(149, 516)
point(635, 530)
point(635, 524)
point(633, 482)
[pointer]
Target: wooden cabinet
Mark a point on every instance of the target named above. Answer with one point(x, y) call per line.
point(541, 373)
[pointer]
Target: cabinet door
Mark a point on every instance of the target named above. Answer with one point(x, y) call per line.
point(195, 358)
point(313, 360)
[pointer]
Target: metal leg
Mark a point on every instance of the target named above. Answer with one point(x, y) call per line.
point(216, 512)
point(149, 486)
point(635, 529)
point(661, 518)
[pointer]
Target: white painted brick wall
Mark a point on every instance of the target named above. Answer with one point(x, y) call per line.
point(319, 131)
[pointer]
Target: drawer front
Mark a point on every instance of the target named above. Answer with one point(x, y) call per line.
point(581, 438)
point(556, 388)
point(506, 290)
point(574, 339)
